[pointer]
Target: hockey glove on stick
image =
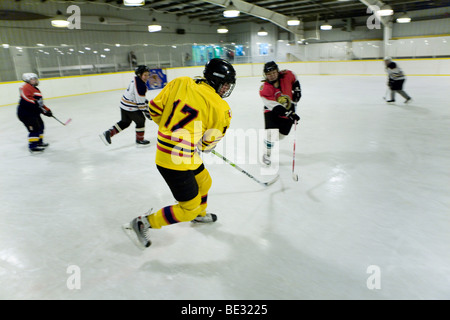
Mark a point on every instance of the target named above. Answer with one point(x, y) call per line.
point(293, 116)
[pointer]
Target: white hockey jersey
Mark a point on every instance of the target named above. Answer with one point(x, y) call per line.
point(134, 97)
point(394, 72)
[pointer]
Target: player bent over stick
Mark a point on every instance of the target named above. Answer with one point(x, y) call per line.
point(191, 115)
point(280, 92)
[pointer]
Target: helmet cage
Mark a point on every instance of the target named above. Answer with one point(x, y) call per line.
point(219, 72)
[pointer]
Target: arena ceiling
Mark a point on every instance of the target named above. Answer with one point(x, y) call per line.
point(307, 10)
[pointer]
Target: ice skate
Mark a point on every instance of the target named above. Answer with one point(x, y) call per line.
point(138, 231)
point(390, 101)
point(106, 137)
point(42, 144)
point(408, 100)
point(142, 142)
point(208, 218)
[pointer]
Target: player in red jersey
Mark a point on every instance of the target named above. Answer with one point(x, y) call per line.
point(31, 105)
point(280, 93)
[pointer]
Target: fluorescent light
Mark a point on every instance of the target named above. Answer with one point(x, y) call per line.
point(404, 18)
point(385, 10)
point(154, 28)
point(262, 32)
point(222, 29)
point(326, 27)
point(59, 22)
point(133, 3)
point(293, 22)
point(231, 11)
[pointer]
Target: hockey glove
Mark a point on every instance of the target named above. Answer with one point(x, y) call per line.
point(293, 116)
point(285, 101)
point(47, 112)
point(147, 114)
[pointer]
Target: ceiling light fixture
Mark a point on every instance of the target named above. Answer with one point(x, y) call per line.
point(133, 3)
point(326, 26)
point(385, 11)
point(293, 21)
point(60, 21)
point(262, 32)
point(404, 18)
point(231, 11)
point(155, 27)
point(222, 29)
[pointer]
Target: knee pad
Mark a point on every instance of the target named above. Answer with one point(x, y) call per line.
point(204, 182)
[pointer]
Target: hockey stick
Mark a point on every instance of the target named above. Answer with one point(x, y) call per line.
point(63, 123)
point(294, 175)
point(266, 184)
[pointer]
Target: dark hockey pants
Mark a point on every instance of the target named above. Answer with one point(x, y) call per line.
point(126, 118)
point(35, 127)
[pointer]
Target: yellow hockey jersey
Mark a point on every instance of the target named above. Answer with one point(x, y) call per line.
point(190, 115)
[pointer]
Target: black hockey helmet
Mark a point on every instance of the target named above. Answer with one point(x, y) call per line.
point(269, 66)
point(392, 65)
point(219, 72)
point(141, 69)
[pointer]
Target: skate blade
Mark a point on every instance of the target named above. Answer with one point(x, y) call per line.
point(132, 236)
point(138, 145)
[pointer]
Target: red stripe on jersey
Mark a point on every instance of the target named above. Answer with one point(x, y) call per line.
point(173, 152)
point(156, 106)
point(175, 139)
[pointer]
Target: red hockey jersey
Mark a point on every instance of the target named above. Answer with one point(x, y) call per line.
point(31, 102)
point(270, 95)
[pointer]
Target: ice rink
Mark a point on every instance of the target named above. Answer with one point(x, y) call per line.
point(369, 217)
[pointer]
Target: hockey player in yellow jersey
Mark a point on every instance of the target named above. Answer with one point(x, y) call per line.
point(192, 117)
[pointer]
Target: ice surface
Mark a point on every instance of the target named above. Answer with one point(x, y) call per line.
point(373, 190)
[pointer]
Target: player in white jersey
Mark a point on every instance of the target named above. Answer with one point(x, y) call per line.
point(133, 107)
point(396, 80)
